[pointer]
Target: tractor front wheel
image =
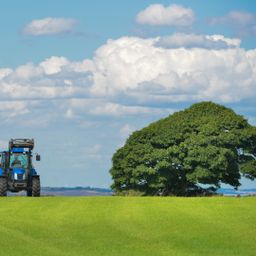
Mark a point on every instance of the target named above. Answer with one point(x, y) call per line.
point(36, 186)
point(3, 186)
point(29, 192)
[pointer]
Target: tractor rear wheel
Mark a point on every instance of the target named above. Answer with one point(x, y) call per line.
point(36, 186)
point(3, 186)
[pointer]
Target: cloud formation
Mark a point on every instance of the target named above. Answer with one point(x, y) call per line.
point(103, 107)
point(11, 109)
point(172, 15)
point(49, 26)
point(198, 41)
point(133, 76)
point(142, 69)
point(244, 23)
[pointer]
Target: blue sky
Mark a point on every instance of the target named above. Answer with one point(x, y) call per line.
point(80, 76)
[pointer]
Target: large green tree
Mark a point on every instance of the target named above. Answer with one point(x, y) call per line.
point(189, 152)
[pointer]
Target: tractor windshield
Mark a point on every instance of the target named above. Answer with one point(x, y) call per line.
point(19, 161)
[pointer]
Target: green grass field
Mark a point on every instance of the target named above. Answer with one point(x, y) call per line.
point(127, 226)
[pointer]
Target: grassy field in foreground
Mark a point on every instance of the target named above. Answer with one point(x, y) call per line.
point(127, 226)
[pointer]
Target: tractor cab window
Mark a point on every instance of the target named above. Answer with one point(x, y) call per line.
point(19, 161)
point(2, 159)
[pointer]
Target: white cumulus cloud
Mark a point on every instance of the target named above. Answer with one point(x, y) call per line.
point(140, 68)
point(53, 64)
point(173, 15)
point(49, 26)
point(133, 76)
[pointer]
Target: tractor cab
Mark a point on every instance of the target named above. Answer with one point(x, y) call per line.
point(20, 165)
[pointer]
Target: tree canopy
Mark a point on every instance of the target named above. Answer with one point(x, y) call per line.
point(190, 152)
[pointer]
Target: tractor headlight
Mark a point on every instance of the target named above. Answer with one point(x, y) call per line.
point(15, 176)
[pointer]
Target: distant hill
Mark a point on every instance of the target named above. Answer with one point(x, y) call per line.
point(233, 192)
point(89, 191)
point(69, 191)
point(75, 191)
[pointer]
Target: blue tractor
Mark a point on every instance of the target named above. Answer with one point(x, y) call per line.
point(17, 172)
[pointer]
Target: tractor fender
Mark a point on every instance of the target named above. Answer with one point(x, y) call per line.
point(33, 172)
point(1, 172)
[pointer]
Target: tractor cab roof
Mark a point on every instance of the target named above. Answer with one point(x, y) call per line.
point(21, 143)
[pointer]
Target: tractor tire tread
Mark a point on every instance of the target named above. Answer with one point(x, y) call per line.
point(3, 186)
point(36, 187)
